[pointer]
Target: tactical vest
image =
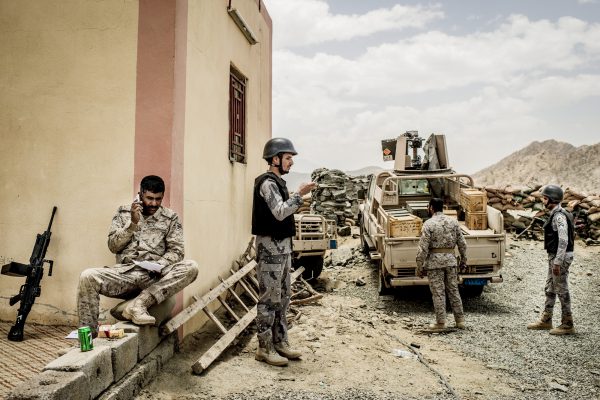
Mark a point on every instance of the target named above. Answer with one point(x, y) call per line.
point(551, 236)
point(264, 222)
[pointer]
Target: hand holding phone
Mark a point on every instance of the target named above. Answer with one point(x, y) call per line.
point(136, 209)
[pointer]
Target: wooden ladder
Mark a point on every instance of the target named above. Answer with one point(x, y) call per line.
point(246, 279)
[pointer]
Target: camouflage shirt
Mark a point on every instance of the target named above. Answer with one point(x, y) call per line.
point(280, 209)
point(157, 238)
point(560, 225)
point(440, 232)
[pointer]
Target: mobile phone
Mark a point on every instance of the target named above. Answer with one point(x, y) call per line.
point(137, 199)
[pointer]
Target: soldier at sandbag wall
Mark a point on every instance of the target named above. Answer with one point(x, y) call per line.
point(559, 241)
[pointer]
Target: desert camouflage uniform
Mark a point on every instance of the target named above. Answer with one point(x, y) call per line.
point(442, 232)
point(559, 285)
point(157, 238)
point(273, 270)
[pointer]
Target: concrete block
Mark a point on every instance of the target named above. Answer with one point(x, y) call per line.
point(124, 353)
point(96, 364)
point(53, 385)
point(148, 337)
point(164, 351)
point(131, 385)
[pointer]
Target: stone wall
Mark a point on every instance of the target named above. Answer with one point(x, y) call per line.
point(336, 197)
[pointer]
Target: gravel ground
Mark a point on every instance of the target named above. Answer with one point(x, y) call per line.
point(557, 367)
point(520, 363)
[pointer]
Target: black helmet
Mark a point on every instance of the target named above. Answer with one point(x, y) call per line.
point(278, 145)
point(553, 192)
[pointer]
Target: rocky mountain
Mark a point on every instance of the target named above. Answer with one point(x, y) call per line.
point(544, 162)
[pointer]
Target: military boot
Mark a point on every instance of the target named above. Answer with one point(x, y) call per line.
point(460, 322)
point(270, 356)
point(545, 322)
point(565, 328)
point(437, 327)
point(137, 310)
point(285, 350)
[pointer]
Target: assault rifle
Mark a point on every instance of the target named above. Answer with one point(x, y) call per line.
point(34, 271)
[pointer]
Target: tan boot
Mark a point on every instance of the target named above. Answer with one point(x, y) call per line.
point(137, 310)
point(270, 356)
point(437, 327)
point(460, 322)
point(285, 350)
point(545, 322)
point(565, 328)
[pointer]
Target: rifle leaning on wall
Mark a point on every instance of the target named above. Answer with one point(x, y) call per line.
point(34, 271)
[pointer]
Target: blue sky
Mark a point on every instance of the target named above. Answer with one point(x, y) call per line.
point(493, 76)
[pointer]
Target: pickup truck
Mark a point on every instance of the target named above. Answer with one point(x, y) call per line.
point(394, 195)
point(314, 236)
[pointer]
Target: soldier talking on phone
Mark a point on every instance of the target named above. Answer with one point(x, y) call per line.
point(147, 239)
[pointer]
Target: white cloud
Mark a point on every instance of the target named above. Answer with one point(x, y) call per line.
point(491, 92)
point(305, 22)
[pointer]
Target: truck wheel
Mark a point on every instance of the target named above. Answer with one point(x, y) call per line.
point(313, 266)
point(363, 243)
point(471, 290)
point(382, 289)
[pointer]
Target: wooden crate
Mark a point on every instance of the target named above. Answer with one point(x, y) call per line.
point(405, 226)
point(473, 200)
point(451, 213)
point(476, 221)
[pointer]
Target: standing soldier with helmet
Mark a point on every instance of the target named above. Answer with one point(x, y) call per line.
point(559, 243)
point(273, 224)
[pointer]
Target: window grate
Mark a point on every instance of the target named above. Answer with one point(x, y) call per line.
point(237, 116)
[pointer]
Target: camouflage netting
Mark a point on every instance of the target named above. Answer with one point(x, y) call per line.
point(585, 207)
point(336, 197)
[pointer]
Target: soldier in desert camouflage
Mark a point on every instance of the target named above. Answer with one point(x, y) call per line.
point(274, 226)
point(142, 231)
point(440, 235)
point(559, 237)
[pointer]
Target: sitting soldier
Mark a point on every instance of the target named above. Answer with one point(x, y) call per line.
point(148, 242)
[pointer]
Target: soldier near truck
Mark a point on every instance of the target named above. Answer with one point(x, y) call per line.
point(440, 235)
point(558, 243)
point(273, 224)
point(144, 231)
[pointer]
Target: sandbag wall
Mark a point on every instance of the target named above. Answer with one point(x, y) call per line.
point(585, 207)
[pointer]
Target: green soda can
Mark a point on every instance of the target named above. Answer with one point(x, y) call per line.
point(85, 338)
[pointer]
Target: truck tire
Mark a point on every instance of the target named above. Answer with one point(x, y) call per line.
point(382, 289)
point(363, 243)
point(313, 266)
point(471, 290)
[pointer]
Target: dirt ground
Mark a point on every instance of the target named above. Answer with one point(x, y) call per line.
point(352, 348)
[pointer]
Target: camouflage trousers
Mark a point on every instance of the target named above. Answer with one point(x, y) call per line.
point(273, 272)
point(114, 282)
point(558, 285)
point(442, 281)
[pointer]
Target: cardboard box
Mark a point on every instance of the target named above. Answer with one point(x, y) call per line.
point(473, 200)
point(405, 226)
point(476, 221)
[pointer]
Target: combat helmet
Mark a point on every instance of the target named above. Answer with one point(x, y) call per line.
point(553, 192)
point(277, 146)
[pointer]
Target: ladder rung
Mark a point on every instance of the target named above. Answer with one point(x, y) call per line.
point(229, 310)
point(214, 319)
